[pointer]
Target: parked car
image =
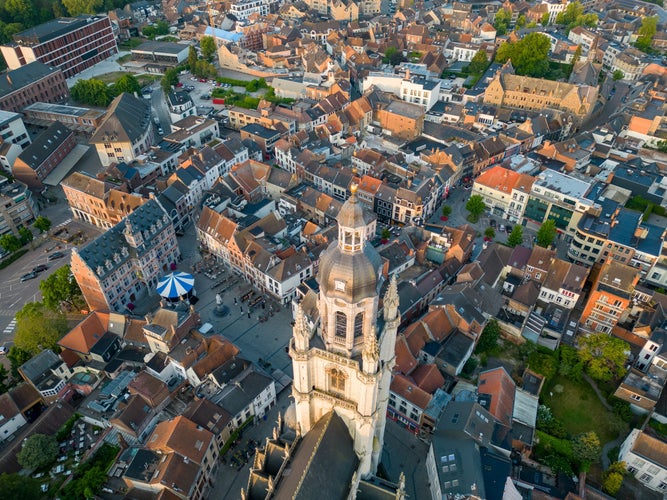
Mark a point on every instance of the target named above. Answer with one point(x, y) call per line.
point(3, 350)
point(28, 276)
point(501, 228)
point(492, 223)
point(160, 131)
point(55, 256)
point(40, 268)
point(179, 85)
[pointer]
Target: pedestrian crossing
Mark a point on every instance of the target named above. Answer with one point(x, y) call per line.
point(65, 222)
point(9, 329)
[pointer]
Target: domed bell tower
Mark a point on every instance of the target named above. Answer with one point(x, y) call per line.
point(348, 368)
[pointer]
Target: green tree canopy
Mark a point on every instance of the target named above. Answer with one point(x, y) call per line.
point(573, 15)
point(446, 210)
point(385, 234)
point(38, 451)
point(169, 79)
point(25, 235)
point(127, 83)
point(569, 364)
point(617, 75)
point(488, 340)
point(603, 356)
point(160, 28)
point(17, 357)
point(479, 63)
point(545, 19)
point(38, 327)
point(586, 449)
point(94, 92)
point(529, 56)
point(515, 237)
point(192, 57)
point(208, 47)
point(521, 21)
point(10, 243)
point(76, 7)
point(61, 287)
point(393, 56)
point(18, 487)
point(646, 33)
point(502, 21)
point(476, 206)
point(490, 233)
point(42, 224)
point(546, 233)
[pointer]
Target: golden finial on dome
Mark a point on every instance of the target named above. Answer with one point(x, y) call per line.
point(353, 188)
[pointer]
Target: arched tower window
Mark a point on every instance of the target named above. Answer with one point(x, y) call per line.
point(337, 381)
point(359, 324)
point(341, 324)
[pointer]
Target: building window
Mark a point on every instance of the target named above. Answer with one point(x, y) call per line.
point(646, 478)
point(341, 324)
point(359, 324)
point(337, 381)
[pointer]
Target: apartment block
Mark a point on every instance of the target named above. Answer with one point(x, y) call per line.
point(125, 263)
point(609, 297)
point(98, 202)
point(14, 138)
point(17, 208)
point(68, 44)
point(46, 152)
point(505, 192)
point(34, 82)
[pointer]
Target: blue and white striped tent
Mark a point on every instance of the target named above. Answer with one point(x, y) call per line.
point(176, 285)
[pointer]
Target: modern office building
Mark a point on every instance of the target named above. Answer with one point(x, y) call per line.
point(71, 44)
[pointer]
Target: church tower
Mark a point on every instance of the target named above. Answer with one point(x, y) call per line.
point(346, 367)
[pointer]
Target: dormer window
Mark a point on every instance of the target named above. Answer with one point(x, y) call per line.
point(340, 285)
point(108, 264)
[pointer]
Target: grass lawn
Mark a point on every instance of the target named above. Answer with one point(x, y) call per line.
point(580, 410)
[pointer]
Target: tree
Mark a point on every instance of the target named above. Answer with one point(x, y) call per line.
point(208, 47)
point(61, 287)
point(569, 363)
point(490, 233)
point(476, 206)
point(386, 234)
point(446, 210)
point(169, 79)
point(76, 7)
point(19, 487)
point(521, 21)
point(613, 478)
point(479, 63)
point(4, 374)
point(19, 11)
point(544, 362)
point(646, 33)
point(25, 235)
point(577, 55)
point(393, 56)
point(586, 449)
point(160, 28)
point(38, 328)
point(618, 75)
point(94, 92)
point(17, 357)
point(546, 233)
point(529, 56)
point(127, 83)
point(545, 19)
point(515, 237)
point(10, 243)
point(192, 57)
point(42, 224)
point(603, 356)
point(488, 340)
point(502, 21)
point(38, 451)
point(573, 15)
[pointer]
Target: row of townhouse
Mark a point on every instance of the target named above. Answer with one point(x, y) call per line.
point(256, 252)
point(394, 200)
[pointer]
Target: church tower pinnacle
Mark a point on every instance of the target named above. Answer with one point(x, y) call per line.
point(346, 367)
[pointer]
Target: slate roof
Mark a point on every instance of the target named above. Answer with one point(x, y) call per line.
point(325, 456)
point(127, 119)
point(26, 75)
point(45, 144)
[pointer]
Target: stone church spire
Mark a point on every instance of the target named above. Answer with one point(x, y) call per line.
point(391, 300)
point(301, 330)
